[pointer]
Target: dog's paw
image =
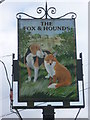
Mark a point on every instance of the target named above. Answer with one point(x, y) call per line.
point(29, 79)
point(47, 76)
point(34, 80)
point(53, 85)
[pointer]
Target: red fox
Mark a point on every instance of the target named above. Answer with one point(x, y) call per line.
point(57, 71)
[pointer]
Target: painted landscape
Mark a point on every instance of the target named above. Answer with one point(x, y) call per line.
point(64, 47)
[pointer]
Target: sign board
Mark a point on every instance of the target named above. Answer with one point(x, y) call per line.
point(47, 60)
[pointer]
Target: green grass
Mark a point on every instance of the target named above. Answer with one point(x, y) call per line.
point(40, 89)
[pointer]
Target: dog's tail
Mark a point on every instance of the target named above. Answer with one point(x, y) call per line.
point(27, 53)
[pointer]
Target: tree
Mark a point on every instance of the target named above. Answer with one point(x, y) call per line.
point(66, 50)
point(24, 38)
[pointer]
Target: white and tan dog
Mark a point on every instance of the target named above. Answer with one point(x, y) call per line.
point(34, 57)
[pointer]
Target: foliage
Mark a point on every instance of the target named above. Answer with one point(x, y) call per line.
point(36, 36)
point(66, 50)
point(23, 42)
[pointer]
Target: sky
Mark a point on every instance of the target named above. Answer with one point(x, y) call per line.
point(8, 45)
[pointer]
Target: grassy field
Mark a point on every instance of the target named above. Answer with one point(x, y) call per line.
point(40, 89)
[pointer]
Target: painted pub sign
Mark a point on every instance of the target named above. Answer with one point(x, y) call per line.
point(47, 60)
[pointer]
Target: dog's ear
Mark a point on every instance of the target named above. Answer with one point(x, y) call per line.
point(38, 47)
point(31, 47)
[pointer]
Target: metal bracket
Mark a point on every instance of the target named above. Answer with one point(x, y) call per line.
point(46, 14)
point(48, 113)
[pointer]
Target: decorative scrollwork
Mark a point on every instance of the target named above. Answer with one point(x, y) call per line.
point(19, 15)
point(73, 15)
point(40, 9)
point(51, 10)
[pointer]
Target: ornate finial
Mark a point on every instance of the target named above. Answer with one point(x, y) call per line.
point(46, 11)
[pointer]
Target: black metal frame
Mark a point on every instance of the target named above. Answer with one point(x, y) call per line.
point(46, 13)
point(47, 16)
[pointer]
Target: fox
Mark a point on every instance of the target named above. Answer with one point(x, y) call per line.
point(58, 72)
